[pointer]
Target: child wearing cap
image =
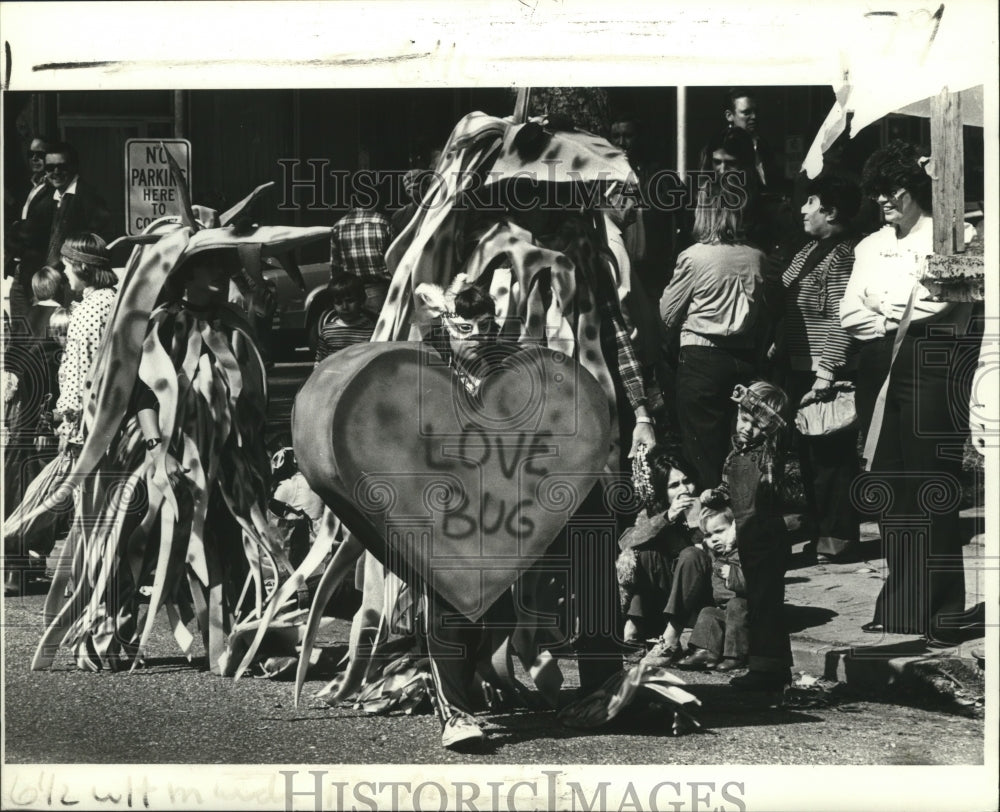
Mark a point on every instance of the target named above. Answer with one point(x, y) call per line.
point(752, 478)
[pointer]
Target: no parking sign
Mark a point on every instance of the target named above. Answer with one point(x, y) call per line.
point(149, 190)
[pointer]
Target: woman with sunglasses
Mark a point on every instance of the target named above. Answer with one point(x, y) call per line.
point(820, 357)
point(912, 397)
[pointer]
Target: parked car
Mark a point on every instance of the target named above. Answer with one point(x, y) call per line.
point(294, 325)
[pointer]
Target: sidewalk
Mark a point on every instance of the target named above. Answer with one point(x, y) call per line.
point(826, 606)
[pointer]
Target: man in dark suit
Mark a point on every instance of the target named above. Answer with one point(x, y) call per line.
point(78, 206)
point(741, 112)
point(28, 237)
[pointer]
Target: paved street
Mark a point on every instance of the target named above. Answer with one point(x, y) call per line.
point(173, 712)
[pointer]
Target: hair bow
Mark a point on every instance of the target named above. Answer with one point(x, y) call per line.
point(926, 162)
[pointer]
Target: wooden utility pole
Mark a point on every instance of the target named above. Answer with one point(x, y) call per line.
point(950, 260)
point(947, 151)
point(521, 105)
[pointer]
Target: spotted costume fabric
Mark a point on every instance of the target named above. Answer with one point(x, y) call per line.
point(558, 298)
point(560, 290)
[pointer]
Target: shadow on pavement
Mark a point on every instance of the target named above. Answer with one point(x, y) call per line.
point(799, 618)
point(724, 706)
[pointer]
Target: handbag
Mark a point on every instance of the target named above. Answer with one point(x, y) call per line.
point(825, 411)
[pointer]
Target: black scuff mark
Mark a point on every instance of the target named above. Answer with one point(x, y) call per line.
point(329, 62)
point(74, 65)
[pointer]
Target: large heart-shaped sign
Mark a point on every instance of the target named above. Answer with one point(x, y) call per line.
point(462, 491)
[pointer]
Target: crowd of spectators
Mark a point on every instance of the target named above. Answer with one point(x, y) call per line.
point(756, 320)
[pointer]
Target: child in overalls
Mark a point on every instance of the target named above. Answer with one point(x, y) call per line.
point(719, 639)
point(752, 476)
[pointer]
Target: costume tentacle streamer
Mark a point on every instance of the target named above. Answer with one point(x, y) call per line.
point(168, 521)
point(210, 402)
point(343, 561)
point(284, 595)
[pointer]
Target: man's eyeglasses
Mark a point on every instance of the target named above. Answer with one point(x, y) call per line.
point(51, 169)
point(37, 153)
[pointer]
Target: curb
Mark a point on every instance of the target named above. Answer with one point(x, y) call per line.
point(888, 672)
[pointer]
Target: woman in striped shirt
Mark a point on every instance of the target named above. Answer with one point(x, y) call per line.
point(819, 353)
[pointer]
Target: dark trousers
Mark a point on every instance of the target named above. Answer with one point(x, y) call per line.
point(706, 377)
point(455, 647)
point(655, 565)
point(582, 559)
point(589, 544)
point(829, 465)
point(918, 466)
point(764, 557)
point(691, 590)
point(724, 630)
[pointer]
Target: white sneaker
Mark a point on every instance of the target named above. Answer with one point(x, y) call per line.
point(461, 731)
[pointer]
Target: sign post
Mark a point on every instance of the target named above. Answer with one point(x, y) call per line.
point(149, 191)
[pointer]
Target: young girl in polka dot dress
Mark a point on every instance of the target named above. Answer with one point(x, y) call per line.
point(88, 270)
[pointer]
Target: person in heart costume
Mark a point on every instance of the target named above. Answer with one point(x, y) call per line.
point(469, 331)
point(556, 284)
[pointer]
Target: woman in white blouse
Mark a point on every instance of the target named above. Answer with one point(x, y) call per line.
point(925, 401)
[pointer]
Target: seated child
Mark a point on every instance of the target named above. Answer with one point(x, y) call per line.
point(720, 638)
point(298, 517)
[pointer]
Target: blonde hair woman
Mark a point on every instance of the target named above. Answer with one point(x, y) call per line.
point(713, 299)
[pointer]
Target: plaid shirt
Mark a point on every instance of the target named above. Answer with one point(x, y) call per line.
point(358, 244)
point(628, 364)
